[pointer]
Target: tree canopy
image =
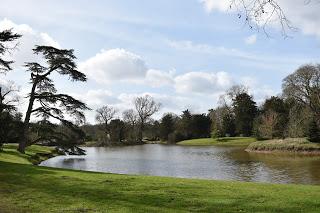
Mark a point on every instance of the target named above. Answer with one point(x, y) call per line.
point(44, 101)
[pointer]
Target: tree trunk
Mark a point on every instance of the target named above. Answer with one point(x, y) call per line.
point(25, 128)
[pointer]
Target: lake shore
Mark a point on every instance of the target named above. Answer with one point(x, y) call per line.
point(224, 141)
point(28, 188)
point(99, 144)
point(34, 154)
point(288, 145)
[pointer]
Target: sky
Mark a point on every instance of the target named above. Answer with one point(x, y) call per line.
point(184, 53)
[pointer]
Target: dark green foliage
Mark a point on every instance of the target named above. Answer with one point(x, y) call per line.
point(10, 121)
point(228, 125)
point(65, 137)
point(200, 126)
point(10, 127)
point(117, 130)
point(245, 110)
point(152, 130)
point(314, 132)
point(167, 126)
point(6, 36)
point(190, 126)
point(184, 126)
point(278, 106)
point(91, 132)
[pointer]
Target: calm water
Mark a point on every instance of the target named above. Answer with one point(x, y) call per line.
point(222, 163)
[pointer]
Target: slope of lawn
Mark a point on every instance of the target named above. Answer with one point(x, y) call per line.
point(33, 155)
point(226, 141)
point(29, 188)
point(299, 145)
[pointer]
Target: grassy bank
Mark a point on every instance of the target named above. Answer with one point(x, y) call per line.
point(299, 145)
point(33, 155)
point(226, 141)
point(28, 188)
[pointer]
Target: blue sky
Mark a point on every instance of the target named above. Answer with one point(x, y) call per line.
point(185, 53)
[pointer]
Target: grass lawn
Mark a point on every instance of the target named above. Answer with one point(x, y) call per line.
point(285, 145)
point(226, 141)
point(29, 188)
point(33, 155)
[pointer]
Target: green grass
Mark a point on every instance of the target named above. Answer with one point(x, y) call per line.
point(226, 141)
point(29, 188)
point(33, 154)
point(301, 145)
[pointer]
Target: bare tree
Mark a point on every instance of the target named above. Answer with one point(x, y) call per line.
point(258, 14)
point(236, 90)
point(131, 118)
point(299, 116)
point(8, 96)
point(304, 86)
point(104, 115)
point(268, 124)
point(225, 100)
point(145, 107)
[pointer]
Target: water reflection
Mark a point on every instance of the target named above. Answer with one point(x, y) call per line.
point(196, 162)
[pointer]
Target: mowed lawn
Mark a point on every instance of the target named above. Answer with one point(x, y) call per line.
point(28, 188)
point(225, 141)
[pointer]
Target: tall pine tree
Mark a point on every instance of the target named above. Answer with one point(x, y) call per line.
point(51, 104)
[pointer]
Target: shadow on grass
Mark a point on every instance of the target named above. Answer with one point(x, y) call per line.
point(87, 191)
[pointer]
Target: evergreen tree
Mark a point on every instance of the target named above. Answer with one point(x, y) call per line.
point(200, 126)
point(6, 37)
point(245, 110)
point(185, 124)
point(8, 120)
point(43, 92)
point(314, 132)
point(167, 126)
point(228, 125)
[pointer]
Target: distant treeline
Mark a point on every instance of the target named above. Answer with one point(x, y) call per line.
point(294, 113)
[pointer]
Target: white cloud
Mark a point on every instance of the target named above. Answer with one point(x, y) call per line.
point(251, 39)
point(258, 90)
point(186, 45)
point(202, 82)
point(221, 5)
point(27, 42)
point(48, 40)
point(250, 58)
point(159, 78)
point(97, 98)
point(114, 64)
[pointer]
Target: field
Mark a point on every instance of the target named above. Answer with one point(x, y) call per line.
point(29, 188)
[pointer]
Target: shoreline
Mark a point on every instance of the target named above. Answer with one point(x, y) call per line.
point(276, 151)
point(289, 145)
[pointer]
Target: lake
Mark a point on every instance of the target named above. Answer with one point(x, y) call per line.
point(205, 162)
